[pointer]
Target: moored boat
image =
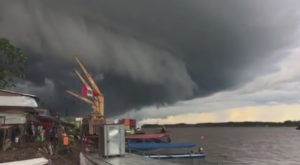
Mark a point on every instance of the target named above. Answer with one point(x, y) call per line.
point(146, 136)
point(156, 141)
point(178, 155)
point(153, 145)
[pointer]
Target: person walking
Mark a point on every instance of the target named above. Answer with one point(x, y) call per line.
point(66, 141)
point(32, 132)
point(32, 126)
point(42, 135)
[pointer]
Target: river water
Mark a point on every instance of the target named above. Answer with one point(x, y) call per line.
point(241, 145)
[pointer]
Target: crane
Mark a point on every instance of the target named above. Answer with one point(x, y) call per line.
point(97, 100)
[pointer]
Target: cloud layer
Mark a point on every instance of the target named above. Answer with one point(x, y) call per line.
point(271, 97)
point(149, 53)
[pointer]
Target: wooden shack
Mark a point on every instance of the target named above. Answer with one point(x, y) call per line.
point(16, 110)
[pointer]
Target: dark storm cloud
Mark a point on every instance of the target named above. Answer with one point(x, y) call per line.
point(150, 52)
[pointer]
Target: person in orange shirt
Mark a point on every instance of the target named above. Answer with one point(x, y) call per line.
point(66, 141)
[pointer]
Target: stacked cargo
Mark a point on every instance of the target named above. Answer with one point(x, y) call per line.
point(130, 124)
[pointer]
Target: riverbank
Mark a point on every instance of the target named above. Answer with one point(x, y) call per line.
point(35, 150)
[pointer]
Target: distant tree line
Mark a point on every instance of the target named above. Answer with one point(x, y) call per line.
point(288, 123)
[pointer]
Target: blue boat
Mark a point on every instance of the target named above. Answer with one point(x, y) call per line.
point(153, 145)
point(142, 143)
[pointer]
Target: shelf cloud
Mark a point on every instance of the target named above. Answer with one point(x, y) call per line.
point(148, 53)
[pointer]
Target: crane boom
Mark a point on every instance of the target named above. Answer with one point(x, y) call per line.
point(91, 80)
point(81, 78)
point(80, 97)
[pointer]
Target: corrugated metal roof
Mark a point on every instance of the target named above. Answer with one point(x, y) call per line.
point(18, 101)
point(19, 93)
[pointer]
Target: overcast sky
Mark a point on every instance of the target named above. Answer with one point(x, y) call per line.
point(163, 61)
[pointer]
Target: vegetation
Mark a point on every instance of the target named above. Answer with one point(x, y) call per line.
point(231, 124)
point(12, 63)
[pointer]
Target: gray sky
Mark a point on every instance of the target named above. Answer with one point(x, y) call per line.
point(152, 53)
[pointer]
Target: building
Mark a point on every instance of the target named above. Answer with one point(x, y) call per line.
point(16, 111)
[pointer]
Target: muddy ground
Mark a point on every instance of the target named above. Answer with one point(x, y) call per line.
point(35, 150)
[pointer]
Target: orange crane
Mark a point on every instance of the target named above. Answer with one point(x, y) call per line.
point(97, 100)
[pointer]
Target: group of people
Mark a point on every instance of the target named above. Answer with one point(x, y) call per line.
point(39, 133)
point(54, 135)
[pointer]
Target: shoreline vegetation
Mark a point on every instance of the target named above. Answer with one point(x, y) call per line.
point(229, 124)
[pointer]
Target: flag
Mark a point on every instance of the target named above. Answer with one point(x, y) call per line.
point(87, 91)
point(95, 93)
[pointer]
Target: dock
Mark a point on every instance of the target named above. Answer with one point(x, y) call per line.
point(127, 159)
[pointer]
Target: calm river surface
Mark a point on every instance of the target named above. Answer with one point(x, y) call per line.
point(241, 145)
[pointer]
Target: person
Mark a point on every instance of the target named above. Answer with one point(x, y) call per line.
point(66, 141)
point(16, 135)
point(39, 130)
point(55, 136)
point(169, 139)
point(163, 130)
point(200, 150)
point(42, 135)
point(51, 135)
point(32, 129)
point(84, 142)
point(28, 134)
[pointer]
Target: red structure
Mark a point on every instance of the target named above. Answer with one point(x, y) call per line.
point(128, 123)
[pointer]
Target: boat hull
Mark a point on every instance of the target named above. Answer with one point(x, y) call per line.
point(171, 156)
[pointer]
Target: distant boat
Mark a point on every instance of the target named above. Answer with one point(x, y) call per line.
point(298, 128)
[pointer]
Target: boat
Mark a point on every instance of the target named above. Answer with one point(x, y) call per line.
point(146, 146)
point(298, 128)
point(127, 159)
point(146, 136)
point(153, 145)
point(178, 155)
point(147, 142)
